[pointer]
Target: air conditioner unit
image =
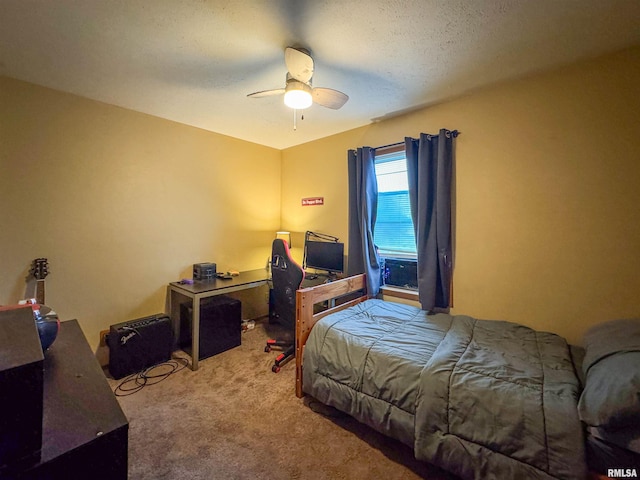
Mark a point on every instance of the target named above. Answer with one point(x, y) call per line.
point(401, 273)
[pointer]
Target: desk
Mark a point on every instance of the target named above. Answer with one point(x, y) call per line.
point(205, 289)
point(314, 279)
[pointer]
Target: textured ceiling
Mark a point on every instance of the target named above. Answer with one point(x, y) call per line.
point(194, 62)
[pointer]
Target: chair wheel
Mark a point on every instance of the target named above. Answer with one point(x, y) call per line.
point(275, 369)
point(267, 349)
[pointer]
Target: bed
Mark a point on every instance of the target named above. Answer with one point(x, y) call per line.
point(479, 398)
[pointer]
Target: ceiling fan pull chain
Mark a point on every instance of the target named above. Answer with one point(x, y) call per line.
point(295, 127)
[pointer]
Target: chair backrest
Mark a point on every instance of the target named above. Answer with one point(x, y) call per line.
point(287, 277)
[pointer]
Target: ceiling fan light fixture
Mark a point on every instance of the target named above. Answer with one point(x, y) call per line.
point(297, 95)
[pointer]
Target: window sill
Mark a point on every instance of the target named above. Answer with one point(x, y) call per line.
point(398, 292)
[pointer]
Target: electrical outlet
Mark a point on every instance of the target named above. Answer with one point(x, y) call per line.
point(103, 338)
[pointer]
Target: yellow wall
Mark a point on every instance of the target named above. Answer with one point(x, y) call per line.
point(547, 215)
point(122, 203)
point(547, 227)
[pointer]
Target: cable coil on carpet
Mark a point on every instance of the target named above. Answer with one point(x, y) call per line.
point(149, 376)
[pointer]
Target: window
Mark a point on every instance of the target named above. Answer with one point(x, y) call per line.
point(393, 231)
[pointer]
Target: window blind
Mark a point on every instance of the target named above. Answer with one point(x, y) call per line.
point(393, 231)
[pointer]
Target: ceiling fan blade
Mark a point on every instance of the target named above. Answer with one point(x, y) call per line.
point(327, 97)
point(299, 63)
point(267, 93)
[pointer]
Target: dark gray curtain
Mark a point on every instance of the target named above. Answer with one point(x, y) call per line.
point(430, 170)
point(363, 207)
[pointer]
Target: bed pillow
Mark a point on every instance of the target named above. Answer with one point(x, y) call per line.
point(611, 397)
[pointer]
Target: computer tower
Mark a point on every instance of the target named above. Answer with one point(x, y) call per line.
point(220, 325)
point(273, 314)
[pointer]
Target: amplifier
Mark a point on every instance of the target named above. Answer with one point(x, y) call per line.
point(204, 271)
point(139, 344)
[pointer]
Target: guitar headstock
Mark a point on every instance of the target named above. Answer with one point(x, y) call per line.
point(39, 268)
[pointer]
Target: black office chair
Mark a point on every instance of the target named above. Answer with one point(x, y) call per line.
point(286, 277)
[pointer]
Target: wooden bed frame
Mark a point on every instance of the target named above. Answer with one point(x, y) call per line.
point(306, 298)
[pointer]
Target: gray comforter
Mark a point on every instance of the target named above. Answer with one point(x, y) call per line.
point(482, 399)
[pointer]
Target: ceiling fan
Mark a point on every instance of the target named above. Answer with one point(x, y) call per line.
point(298, 92)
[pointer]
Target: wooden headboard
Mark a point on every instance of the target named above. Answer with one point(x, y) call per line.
point(334, 294)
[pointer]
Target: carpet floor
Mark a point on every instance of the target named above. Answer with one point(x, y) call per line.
point(235, 419)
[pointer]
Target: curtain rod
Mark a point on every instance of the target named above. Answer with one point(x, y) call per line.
point(455, 133)
point(390, 145)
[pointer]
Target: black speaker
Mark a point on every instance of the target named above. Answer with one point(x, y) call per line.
point(139, 344)
point(220, 325)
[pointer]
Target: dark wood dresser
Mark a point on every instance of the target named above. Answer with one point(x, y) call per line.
point(84, 430)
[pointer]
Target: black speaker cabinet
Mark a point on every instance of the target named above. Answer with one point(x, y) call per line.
point(139, 344)
point(220, 325)
point(21, 389)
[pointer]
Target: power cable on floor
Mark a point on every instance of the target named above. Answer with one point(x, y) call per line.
point(149, 376)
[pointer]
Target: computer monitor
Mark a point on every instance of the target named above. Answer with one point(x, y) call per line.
point(326, 256)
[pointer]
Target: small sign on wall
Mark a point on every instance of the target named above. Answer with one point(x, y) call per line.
point(312, 201)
